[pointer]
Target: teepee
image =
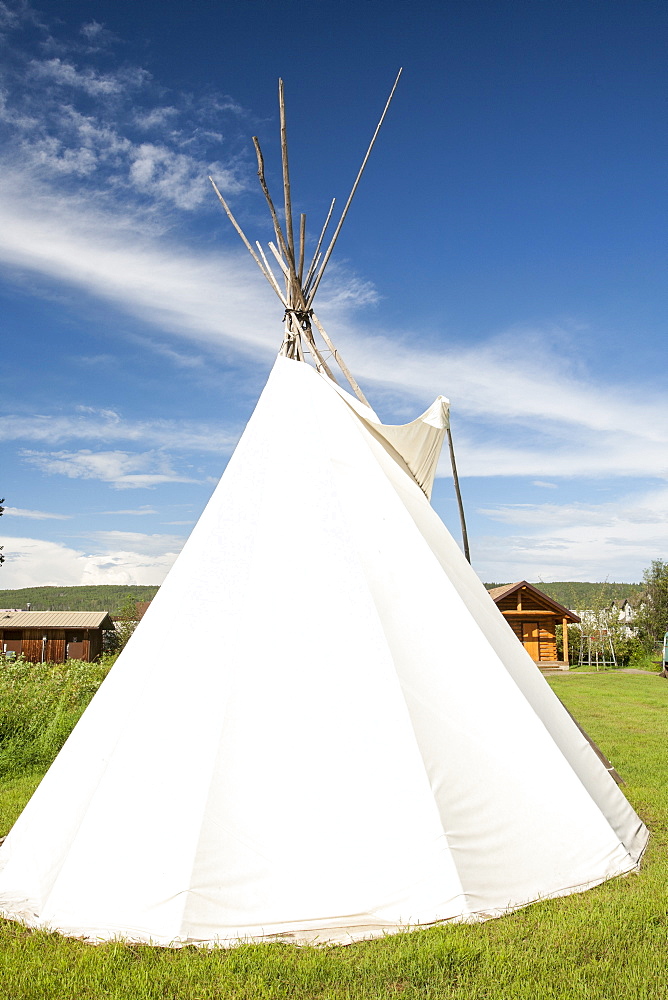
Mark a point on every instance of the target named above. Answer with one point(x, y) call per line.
point(354, 744)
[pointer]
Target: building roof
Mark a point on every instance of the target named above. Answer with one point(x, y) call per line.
point(498, 593)
point(55, 619)
point(634, 601)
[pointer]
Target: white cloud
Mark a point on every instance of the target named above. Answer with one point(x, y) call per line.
point(13, 15)
point(485, 380)
point(66, 117)
point(543, 485)
point(52, 154)
point(572, 425)
point(96, 170)
point(137, 542)
point(97, 35)
point(577, 541)
point(8, 16)
point(211, 297)
point(106, 426)
point(37, 515)
point(137, 511)
point(115, 250)
point(343, 289)
point(95, 84)
point(121, 469)
point(156, 118)
point(161, 172)
point(32, 562)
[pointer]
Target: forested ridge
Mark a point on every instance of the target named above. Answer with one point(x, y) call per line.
point(109, 597)
point(104, 597)
point(581, 596)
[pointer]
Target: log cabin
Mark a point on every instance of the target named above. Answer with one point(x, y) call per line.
point(53, 636)
point(533, 617)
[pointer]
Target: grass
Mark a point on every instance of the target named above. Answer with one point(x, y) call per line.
point(40, 703)
point(607, 943)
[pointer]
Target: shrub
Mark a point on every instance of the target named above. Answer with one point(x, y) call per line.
point(629, 649)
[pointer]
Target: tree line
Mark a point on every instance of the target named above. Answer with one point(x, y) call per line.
point(651, 598)
point(578, 595)
point(101, 597)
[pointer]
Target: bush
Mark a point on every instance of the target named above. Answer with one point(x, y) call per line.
point(629, 649)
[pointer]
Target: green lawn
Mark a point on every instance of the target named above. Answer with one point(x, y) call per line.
point(610, 943)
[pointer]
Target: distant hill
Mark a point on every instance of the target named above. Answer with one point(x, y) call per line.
point(105, 597)
point(581, 596)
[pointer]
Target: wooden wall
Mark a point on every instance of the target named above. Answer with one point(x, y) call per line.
point(521, 600)
point(517, 609)
point(54, 650)
point(547, 637)
point(94, 643)
point(508, 603)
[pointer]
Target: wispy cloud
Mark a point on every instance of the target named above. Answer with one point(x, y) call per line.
point(103, 171)
point(36, 515)
point(136, 512)
point(106, 426)
point(574, 425)
point(63, 116)
point(13, 15)
point(136, 541)
point(90, 81)
point(577, 541)
point(97, 36)
point(122, 470)
point(210, 297)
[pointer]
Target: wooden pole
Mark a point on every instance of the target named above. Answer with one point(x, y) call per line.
point(305, 328)
point(299, 295)
point(279, 260)
point(245, 241)
point(328, 254)
point(340, 362)
point(302, 241)
point(274, 215)
point(316, 255)
point(313, 348)
point(273, 282)
point(293, 292)
point(564, 627)
point(286, 171)
point(462, 519)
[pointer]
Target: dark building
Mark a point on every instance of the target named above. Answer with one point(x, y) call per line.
point(53, 636)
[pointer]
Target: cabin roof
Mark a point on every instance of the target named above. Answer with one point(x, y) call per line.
point(55, 619)
point(498, 593)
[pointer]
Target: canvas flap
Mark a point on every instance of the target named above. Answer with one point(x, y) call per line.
point(417, 443)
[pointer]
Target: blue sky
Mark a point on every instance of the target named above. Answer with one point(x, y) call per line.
point(507, 248)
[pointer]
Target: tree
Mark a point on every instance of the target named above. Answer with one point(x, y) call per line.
point(126, 622)
point(652, 618)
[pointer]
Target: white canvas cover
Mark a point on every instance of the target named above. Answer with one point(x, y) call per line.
point(323, 728)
